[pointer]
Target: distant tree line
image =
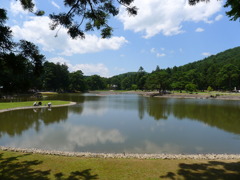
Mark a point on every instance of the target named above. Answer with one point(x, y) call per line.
point(217, 72)
point(24, 69)
point(27, 70)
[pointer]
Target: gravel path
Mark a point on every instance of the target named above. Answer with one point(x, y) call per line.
point(126, 155)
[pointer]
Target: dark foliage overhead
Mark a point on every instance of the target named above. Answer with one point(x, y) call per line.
point(90, 15)
point(6, 43)
point(234, 5)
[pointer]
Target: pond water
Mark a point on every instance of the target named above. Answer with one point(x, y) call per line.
point(126, 123)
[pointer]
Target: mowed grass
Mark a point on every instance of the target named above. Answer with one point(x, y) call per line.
point(15, 165)
point(7, 105)
point(48, 93)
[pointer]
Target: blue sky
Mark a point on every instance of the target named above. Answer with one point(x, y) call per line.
point(164, 33)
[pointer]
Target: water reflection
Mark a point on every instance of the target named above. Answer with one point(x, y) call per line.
point(15, 122)
point(223, 115)
point(158, 109)
point(126, 123)
point(216, 113)
point(153, 148)
point(69, 138)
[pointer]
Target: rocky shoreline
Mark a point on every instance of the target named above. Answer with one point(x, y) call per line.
point(126, 155)
point(35, 107)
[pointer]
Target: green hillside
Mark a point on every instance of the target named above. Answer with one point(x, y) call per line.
point(229, 56)
point(217, 72)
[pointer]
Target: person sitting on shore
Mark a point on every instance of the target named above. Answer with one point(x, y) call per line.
point(39, 103)
point(49, 104)
point(35, 104)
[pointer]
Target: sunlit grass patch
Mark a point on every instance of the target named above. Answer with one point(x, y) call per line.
point(7, 105)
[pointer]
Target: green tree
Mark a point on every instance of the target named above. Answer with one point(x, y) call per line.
point(96, 82)
point(191, 87)
point(228, 77)
point(77, 82)
point(141, 70)
point(126, 83)
point(158, 80)
point(115, 82)
point(31, 52)
point(209, 89)
point(85, 15)
point(88, 15)
point(140, 78)
point(16, 73)
point(157, 68)
point(134, 87)
point(233, 5)
point(56, 77)
point(178, 86)
point(6, 43)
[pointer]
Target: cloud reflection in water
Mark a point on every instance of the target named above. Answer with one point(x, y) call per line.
point(67, 137)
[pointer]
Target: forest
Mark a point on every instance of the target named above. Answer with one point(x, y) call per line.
point(23, 69)
point(26, 70)
point(218, 72)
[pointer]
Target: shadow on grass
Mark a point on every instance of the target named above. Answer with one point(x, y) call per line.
point(211, 170)
point(12, 168)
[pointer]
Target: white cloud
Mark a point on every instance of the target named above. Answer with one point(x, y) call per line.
point(166, 17)
point(87, 69)
point(153, 50)
point(206, 54)
point(72, 136)
point(199, 30)
point(60, 60)
point(55, 4)
point(16, 8)
point(84, 136)
point(91, 69)
point(158, 54)
point(152, 147)
point(37, 31)
point(218, 17)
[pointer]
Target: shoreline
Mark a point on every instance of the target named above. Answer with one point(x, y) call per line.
point(210, 156)
point(35, 107)
point(227, 96)
point(125, 155)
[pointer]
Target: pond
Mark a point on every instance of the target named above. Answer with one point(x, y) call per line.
point(126, 123)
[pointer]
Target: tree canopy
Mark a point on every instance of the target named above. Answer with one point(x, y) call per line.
point(85, 15)
point(6, 43)
point(90, 15)
point(234, 5)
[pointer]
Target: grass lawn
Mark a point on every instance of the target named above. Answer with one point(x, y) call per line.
point(7, 105)
point(48, 93)
point(15, 165)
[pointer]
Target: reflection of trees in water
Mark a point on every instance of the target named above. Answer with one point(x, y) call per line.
point(15, 122)
point(79, 98)
point(55, 115)
point(141, 106)
point(158, 108)
point(222, 116)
